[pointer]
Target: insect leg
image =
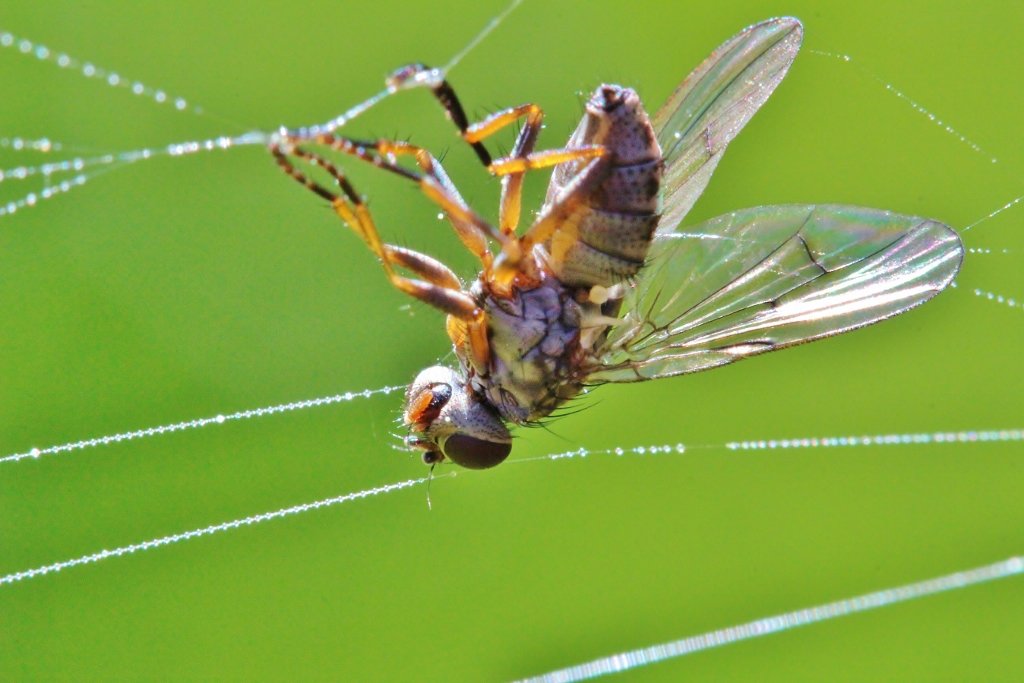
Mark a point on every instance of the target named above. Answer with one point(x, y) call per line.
point(556, 223)
point(512, 169)
point(512, 165)
point(445, 94)
point(475, 134)
point(469, 335)
point(435, 283)
point(470, 227)
point(511, 183)
point(568, 201)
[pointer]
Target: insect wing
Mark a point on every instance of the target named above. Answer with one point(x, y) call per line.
point(713, 104)
point(762, 279)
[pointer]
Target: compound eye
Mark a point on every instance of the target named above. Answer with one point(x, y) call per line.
point(425, 408)
point(474, 453)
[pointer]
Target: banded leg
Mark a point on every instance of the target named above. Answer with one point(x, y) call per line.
point(445, 94)
point(471, 228)
point(571, 198)
point(512, 167)
point(512, 170)
point(512, 182)
point(476, 133)
point(555, 224)
point(434, 284)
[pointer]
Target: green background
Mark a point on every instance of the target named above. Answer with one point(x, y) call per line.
point(182, 288)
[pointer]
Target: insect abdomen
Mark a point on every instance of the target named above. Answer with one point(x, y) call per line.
point(603, 248)
point(606, 237)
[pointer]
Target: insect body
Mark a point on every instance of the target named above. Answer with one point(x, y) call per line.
point(603, 287)
point(604, 213)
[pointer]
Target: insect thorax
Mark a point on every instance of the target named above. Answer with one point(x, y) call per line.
point(534, 351)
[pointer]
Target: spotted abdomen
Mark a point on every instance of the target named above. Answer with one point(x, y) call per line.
point(605, 236)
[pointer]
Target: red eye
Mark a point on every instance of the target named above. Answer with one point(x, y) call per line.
point(473, 453)
point(425, 408)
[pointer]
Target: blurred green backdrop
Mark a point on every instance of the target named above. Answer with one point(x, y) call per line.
point(190, 287)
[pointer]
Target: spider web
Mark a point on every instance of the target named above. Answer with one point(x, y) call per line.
point(160, 468)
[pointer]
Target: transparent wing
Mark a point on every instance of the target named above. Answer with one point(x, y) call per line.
point(713, 104)
point(762, 279)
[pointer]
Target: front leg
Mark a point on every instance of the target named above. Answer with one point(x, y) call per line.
point(434, 283)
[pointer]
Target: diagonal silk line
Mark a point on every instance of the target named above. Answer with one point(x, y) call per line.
point(210, 530)
point(48, 171)
point(633, 659)
point(196, 423)
point(580, 453)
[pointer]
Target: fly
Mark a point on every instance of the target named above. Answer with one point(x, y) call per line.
point(603, 287)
